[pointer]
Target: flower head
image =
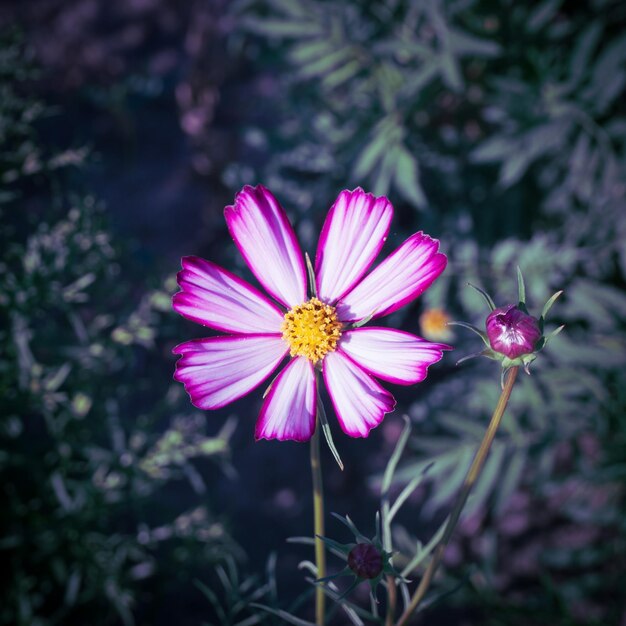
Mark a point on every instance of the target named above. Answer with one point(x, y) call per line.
point(513, 336)
point(366, 561)
point(319, 330)
point(365, 558)
point(512, 332)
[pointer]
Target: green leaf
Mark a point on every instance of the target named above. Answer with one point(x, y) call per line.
point(471, 327)
point(288, 617)
point(461, 425)
point(346, 571)
point(323, 420)
point(543, 14)
point(450, 71)
point(308, 51)
point(465, 44)
point(495, 148)
point(548, 305)
point(395, 457)
point(341, 75)
point(607, 73)
point(416, 81)
point(422, 553)
point(326, 63)
point(311, 273)
point(364, 321)
point(485, 295)
point(552, 335)
point(55, 379)
point(213, 599)
point(579, 158)
point(351, 610)
point(521, 288)
point(407, 178)
point(511, 478)
point(250, 621)
point(488, 480)
point(406, 492)
point(449, 472)
point(596, 303)
point(382, 178)
point(583, 50)
point(534, 143)
point(342, 548)
point(346, 521)
point(385, 134)
point(447, 61)
point(293, 8)
point(513, 169)
point(281, 28)
point(310, 541)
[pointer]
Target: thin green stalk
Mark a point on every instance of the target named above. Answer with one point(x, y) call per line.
point(392, 591)
point(386, 535)
point(470, 480)
point(318, 523)
point(392, 598)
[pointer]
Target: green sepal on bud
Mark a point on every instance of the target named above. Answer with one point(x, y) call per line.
point(366, 560)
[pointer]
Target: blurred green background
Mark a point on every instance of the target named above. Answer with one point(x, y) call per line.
point(126, 127)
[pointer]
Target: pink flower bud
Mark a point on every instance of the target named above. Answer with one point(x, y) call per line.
point(512, 332)
point(365, 561)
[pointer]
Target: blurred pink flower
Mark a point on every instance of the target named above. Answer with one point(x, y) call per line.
point(318, 332)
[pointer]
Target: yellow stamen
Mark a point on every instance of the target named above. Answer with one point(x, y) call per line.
point(311, 330)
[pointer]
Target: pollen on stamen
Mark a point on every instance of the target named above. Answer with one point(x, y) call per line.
point(311, 330)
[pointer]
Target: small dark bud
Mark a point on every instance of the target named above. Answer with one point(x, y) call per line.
point(365, 561)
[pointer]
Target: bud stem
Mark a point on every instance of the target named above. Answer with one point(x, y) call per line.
point(392, 598)
point(470, 480)
point(318, 523)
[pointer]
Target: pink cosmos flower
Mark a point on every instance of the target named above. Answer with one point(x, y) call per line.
point(317, 332)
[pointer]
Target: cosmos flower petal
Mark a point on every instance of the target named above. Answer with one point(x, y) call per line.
point(392, 355)
point(218, 370)
point(359, 401)
point(401, 277)
point(353, 234)
point(214, 297)
point(266, 240)
point(290, 408)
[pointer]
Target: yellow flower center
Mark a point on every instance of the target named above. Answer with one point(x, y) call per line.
point(311, 330)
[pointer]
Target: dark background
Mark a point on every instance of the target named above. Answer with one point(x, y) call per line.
point(126, 127)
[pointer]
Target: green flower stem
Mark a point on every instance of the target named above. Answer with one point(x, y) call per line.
point(318, 523)
point(392, 598)
point(470, 480)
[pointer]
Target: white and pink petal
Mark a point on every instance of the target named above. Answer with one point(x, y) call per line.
point(290, 408)
point(352, 236)
point(360, 402)
point(218, 370)
point(267, 242)
point(212, 296)
point(402, 276)
point(392, 355)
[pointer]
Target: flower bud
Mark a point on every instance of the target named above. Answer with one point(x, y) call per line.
point(512, 332)
point(365, 561)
